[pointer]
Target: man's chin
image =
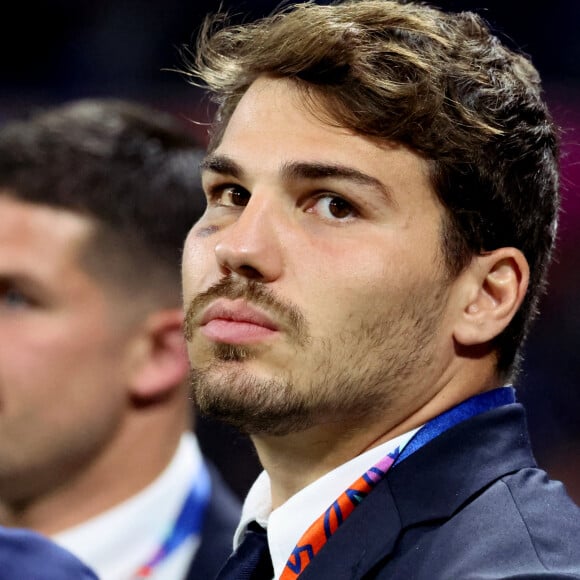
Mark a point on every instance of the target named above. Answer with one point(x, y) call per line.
point(231, 352)
point(252, 405)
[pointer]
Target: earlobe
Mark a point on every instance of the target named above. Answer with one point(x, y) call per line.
point(496, 285)
point(163, 364)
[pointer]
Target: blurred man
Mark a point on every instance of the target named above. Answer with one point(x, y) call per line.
point(26, 554)
point(96, 447)
point(382, 187)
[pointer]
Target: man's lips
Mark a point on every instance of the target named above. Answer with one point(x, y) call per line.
point(236, 322)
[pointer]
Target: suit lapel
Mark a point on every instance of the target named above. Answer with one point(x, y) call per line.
point(367, 535)
point(431, 484)
point(220, 521)
point(439, 478)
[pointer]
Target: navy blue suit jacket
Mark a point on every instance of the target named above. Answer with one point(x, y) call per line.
point(220, 521)
point(469, 505)
point(25, 555)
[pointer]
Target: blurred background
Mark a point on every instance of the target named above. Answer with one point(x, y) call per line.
point(56, 50)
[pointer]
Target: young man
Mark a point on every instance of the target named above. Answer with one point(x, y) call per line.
point(382, 186)
point(96, 445)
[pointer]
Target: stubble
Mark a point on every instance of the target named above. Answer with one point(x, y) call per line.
point(356, 374)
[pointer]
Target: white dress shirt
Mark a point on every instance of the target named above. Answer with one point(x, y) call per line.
point(119, 541)
point(287, 523)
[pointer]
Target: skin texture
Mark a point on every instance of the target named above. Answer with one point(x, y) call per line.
point(344, 232)
point(346, 353)
point(76, 378)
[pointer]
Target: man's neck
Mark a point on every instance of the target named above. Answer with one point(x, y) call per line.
point(113, 477)
point(294, 461)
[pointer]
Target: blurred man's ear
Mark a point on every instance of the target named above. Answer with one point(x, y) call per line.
point(160, 364)
point(494, 286)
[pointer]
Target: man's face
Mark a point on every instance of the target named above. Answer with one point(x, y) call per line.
point(61, 391)
point(314, 283)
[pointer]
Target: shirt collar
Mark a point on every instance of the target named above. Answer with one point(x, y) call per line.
point(287, 523)
point(118, 541)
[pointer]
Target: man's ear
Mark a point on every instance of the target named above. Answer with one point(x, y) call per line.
point(160, 363)
point(494, 287)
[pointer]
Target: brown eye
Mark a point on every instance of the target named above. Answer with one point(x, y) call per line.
point(339, 208)
point(332, 207)
point(239, 197)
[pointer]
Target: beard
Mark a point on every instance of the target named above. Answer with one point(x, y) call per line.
point(353, 375)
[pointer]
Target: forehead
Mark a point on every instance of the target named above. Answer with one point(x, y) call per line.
point(277, 124)
point(41, 237)
point(279, 108)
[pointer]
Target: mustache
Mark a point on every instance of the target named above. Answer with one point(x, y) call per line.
point(286, 314)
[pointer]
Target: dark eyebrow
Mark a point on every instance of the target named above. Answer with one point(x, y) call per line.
point(225, 165)
point(221, 164)
point(21, 281)
point(306, 170)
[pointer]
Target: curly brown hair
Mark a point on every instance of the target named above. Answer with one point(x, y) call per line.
point(439, 82)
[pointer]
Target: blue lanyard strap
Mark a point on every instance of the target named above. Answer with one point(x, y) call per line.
point(327, 523)
point(189, 522)
point(474, 406)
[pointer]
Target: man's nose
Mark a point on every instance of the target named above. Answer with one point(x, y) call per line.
point(250, 246)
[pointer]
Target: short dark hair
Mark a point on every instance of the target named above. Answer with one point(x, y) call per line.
point(130, 168)
point(440, 83)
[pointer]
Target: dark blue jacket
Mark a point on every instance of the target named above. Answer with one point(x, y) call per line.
point(25, 555)
point(469, 505)
point(220, 522)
